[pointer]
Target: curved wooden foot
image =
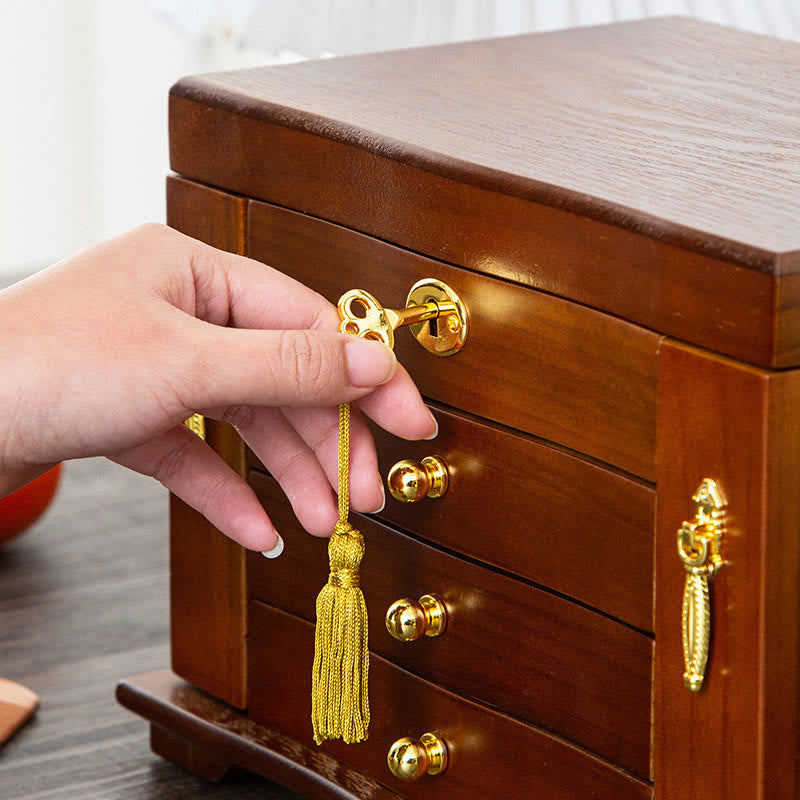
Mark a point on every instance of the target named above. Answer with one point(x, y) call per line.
point(186, 754)
point(208, 737)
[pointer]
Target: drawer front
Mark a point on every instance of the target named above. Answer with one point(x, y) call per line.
point(532, 361)
point(535, 655)
point(489, 754)
point(533, 510)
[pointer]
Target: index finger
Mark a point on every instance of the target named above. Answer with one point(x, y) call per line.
point(236, 291)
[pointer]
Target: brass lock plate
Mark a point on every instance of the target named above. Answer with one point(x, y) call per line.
point(445, 335)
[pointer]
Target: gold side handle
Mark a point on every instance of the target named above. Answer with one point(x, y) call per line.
point(409, 481)
point(408, 620)
point(409, 759)
point(434, 313)
point(699, 545)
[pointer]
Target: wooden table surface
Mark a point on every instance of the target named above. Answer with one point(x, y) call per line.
point(83, 603)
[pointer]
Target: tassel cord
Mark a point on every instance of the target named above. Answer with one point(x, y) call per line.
point(344, 463)
point(340, 706)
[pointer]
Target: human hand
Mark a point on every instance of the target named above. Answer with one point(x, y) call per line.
point(107, 352)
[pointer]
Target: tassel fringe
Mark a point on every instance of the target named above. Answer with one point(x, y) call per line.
point(339, 699)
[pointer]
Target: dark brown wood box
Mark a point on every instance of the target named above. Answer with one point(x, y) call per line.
point(619, 209)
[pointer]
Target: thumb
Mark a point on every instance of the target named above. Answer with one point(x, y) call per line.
point(286, 367)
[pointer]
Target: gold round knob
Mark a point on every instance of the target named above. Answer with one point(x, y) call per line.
point(409, 481)
point(408, 620)
point(409, 759)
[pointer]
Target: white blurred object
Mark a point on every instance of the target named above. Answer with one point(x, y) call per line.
point(84, 83)
point(199, 18)
point(313, 27)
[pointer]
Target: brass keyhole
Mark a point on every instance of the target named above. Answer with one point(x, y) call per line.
point(445, 334)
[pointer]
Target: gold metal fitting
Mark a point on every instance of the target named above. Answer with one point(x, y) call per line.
point(407, 620)
point(409, 759)
point(434, 313)
point(197, 423)
point(409, 481)
point(699, 544)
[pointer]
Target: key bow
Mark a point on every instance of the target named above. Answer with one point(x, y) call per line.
point(362, 315)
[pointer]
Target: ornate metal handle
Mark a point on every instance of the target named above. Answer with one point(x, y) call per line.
point(699, 543)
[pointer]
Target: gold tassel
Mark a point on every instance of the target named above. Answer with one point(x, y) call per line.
point(339, 700)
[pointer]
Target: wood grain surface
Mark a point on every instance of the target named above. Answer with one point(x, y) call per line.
point(549, 367)
point(84, 602)
point(738, 736)
point(644, 169)
point(781, 556)
point(530, 509)
point(205, 734)
point(542, 508)
point(207, 591)
point(514, 646)
point(489, 754)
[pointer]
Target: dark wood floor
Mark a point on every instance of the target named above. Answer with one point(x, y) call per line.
point(83, 603)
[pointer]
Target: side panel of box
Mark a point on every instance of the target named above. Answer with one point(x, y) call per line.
point(208, 609)
point(782, 591)
point(737, 736)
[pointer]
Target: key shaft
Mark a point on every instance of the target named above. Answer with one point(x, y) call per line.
point(375, 321)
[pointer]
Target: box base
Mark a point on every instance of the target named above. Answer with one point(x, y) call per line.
point(210, 738)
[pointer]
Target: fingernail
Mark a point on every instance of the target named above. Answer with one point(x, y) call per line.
point(436, 428)
point(276, 551)
point(383, 501)
point(369, 363)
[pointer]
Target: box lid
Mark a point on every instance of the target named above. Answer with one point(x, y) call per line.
point(647, 169)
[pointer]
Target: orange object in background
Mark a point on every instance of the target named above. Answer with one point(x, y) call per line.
point(17, 705)
point(22, 508)
point(18, 511)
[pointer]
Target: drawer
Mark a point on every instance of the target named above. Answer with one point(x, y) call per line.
point(534, 510)
point(489, 754)
point(535, 362)
point(509, 644)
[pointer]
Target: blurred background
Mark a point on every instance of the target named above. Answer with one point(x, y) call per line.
point(83, 128)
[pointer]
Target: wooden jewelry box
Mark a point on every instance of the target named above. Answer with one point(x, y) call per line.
point(616, 554)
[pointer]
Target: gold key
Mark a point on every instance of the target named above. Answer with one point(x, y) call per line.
point(362, 315)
